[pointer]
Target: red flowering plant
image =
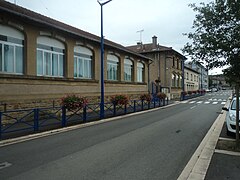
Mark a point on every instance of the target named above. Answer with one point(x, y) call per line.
point(161, 95)
point(119, 99)
point(184, 93)
point(194, 92)
point(72, 102)
point(146, 97)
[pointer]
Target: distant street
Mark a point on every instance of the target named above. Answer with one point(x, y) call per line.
point(154, 145)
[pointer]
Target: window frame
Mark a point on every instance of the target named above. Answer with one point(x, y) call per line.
point(128, 70)
point(112, 62)
point(14, 43)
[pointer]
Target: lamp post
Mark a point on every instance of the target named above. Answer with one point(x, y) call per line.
point(102, 61)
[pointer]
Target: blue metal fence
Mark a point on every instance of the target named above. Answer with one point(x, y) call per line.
point(21, 122)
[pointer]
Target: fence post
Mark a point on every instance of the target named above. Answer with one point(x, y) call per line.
point(36, 119)
point(63, 116)
point(134, 105)
point(0, 125)
point(142, 105)
point(114, 109)
point(125, 109)
point(84, 113)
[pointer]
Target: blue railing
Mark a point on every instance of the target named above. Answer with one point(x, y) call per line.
point(21, 122)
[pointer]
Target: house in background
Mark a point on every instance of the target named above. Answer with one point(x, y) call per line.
point(166, 70)
point(42, 59)
point(203, 73)
point(191, 79)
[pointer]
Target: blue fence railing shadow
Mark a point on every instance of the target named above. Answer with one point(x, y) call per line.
point(21, 122)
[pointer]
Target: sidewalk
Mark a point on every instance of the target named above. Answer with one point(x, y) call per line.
point(210, 161)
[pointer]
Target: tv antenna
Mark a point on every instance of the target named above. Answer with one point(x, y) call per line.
point(140, 33)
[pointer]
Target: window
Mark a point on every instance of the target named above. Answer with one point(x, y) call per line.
point(191, 78)
point(112, 67)
point(50, 57)
point(173, 80)
point(173, 61)
point(187, 76)
point(140, 72)
point(11, 50)
point(83, 58)
point(178, 80)
point(128, 68)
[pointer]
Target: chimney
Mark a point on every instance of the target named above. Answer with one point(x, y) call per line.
point(154, 41)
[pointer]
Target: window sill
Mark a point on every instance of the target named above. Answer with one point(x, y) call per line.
point(44, 78)
point(124, 82)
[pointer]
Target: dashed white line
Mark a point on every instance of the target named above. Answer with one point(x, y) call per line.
point(192, 107)
point(192, 102)
point(214, 102)
point(4, 165)
point(223, 102)
point(207, 102)
point(199, 102)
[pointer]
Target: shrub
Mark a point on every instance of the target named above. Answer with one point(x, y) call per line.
point(73, 101)
point(119, 99)
point(161, 95)
point(146, 97)
point(189, 92)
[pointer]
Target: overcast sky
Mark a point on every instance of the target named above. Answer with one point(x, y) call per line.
point(166, 19)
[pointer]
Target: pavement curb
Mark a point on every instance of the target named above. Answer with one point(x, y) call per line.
point(197, 166)
point(66, 129)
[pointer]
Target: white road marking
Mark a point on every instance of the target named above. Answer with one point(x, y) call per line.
point(192, 107)
point(215, 99)
point(214, 102)
point(219, 99)
point(199, 102)
point(223, 102)
point(207, 102)
point(192, 102)
point(210, 99)
point(183, 102)
point(4, 165)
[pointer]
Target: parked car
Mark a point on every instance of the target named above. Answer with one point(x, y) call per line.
point(231, 117)
point(208, 90)
point(214, 90)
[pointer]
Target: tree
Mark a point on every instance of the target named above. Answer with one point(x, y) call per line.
point(216, 40)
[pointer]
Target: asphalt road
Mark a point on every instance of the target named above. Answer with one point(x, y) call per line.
point(154, 145)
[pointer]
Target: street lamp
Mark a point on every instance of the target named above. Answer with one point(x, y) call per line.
point(102, 61)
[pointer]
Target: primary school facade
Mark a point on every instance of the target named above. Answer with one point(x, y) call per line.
point(42, 59)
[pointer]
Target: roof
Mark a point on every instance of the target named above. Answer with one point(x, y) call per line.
point(149, 48)
point(33, 17)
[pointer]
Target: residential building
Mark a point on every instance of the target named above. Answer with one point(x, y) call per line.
point(203, 73)
point(42, 59)
point(166, 70)
point(191, 79)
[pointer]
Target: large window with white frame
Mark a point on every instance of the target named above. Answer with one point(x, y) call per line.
point(128, 70)
point(83, 58)
point(50, 57)
point(11, 50)
point(112, 67)
point(140, 72)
